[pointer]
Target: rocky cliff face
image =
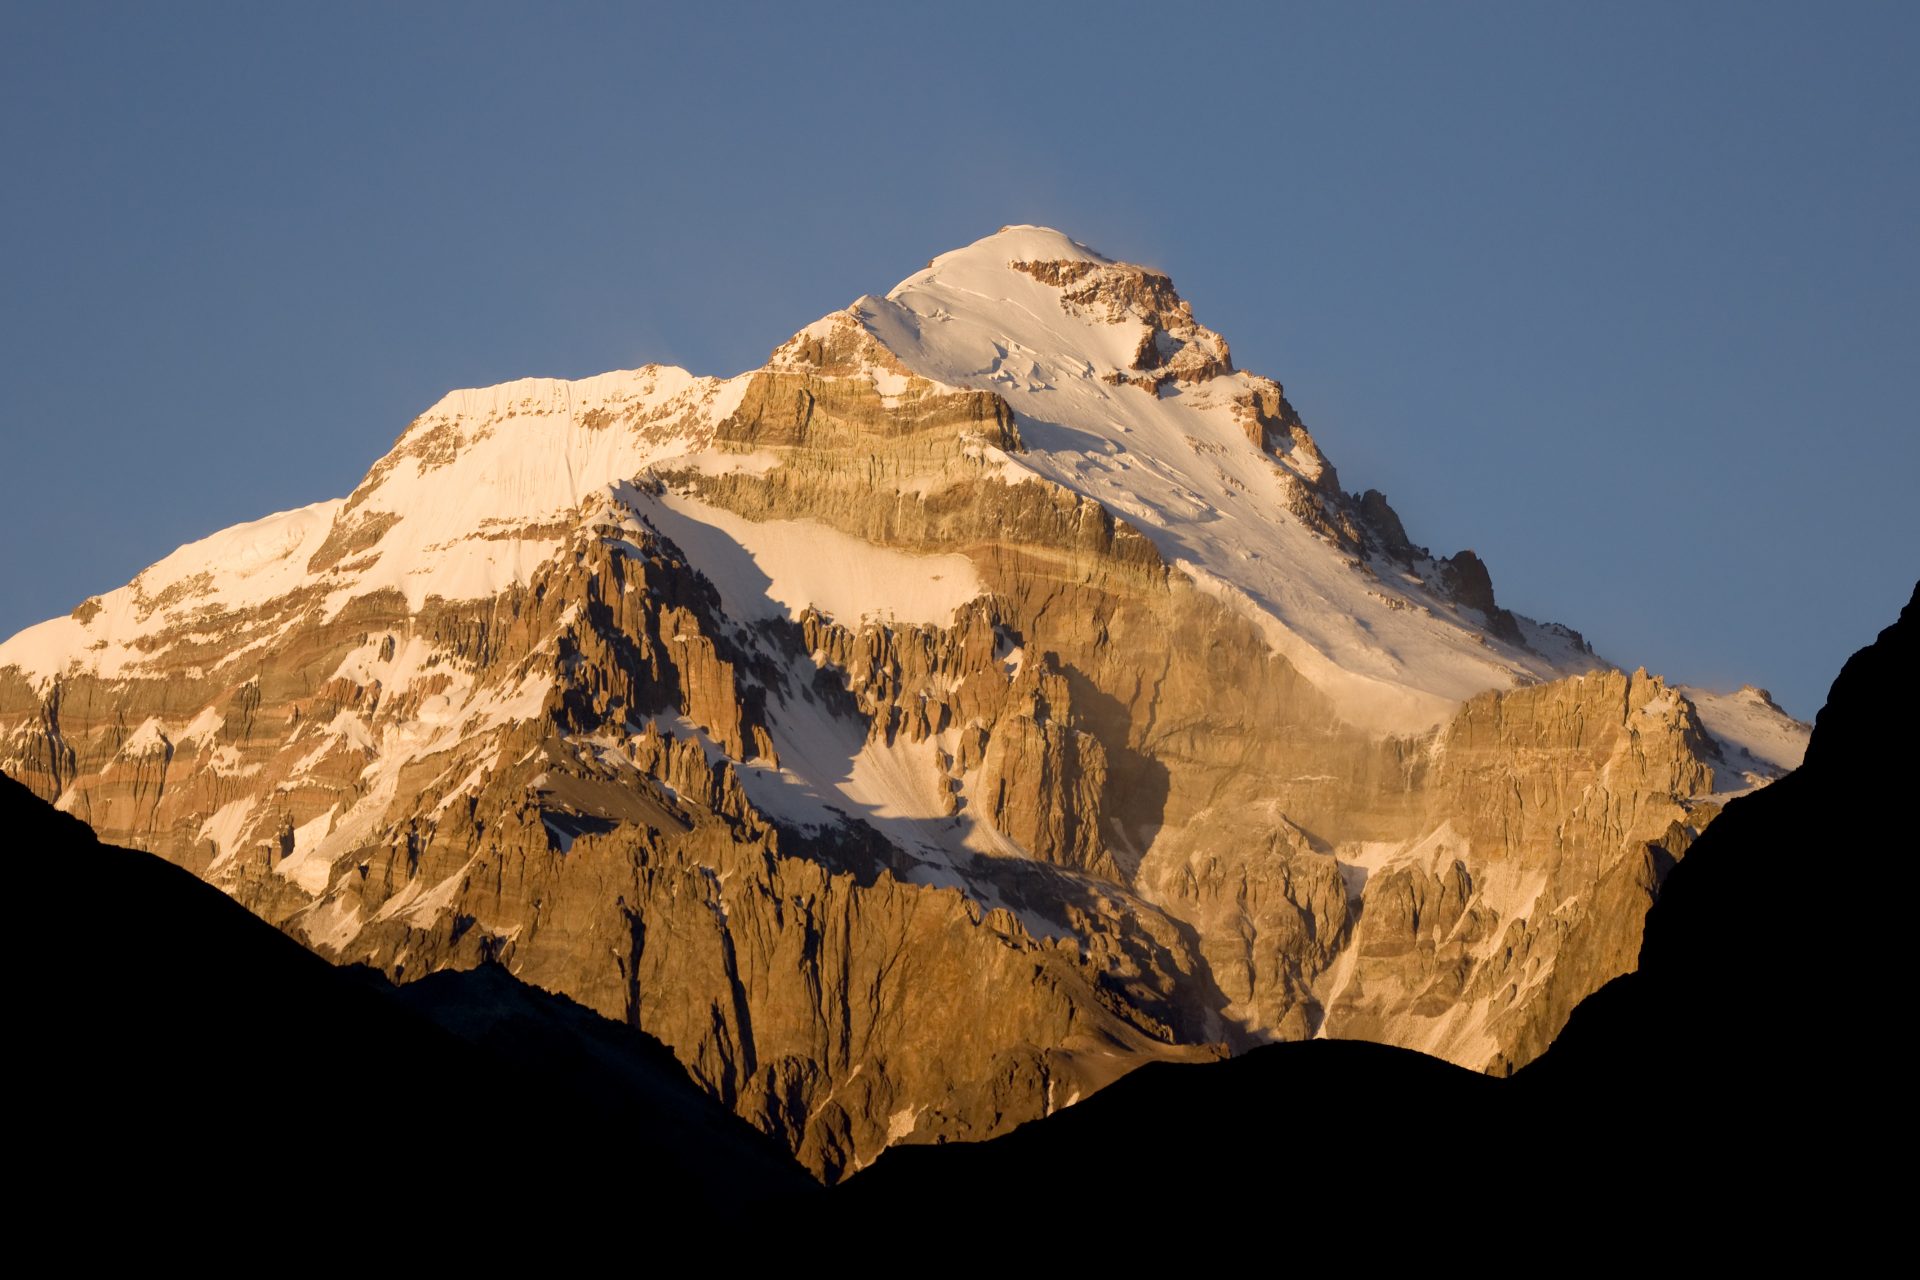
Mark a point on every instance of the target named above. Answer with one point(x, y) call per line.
point(993, 692)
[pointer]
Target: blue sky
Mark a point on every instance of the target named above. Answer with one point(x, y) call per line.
point(1623, 297)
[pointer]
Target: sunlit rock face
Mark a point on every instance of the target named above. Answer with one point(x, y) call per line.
point(993, 692)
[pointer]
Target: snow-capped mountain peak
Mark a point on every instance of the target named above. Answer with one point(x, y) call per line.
point(1121, 396)
point(1124, 397)
point(993, 691)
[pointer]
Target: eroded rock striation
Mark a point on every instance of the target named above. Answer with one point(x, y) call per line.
point(995, 691)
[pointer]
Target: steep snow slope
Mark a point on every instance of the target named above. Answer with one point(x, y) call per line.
point(237, 567)
point(476, 493)
point(1757, 740)
point(1177, 463)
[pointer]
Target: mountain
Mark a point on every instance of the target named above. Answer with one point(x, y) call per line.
point(994, 692)
point(184, 1057)
point(1718, 1098)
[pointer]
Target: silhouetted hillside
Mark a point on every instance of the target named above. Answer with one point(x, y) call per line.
point(181, 1056)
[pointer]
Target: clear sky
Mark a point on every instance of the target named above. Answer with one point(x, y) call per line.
point(1623, 297)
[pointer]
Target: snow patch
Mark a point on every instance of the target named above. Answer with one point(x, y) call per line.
point(332, 923)
point(418, 905)
point(307, 866)
point(901, 1124)
point(780, 568)
point(225, 826)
